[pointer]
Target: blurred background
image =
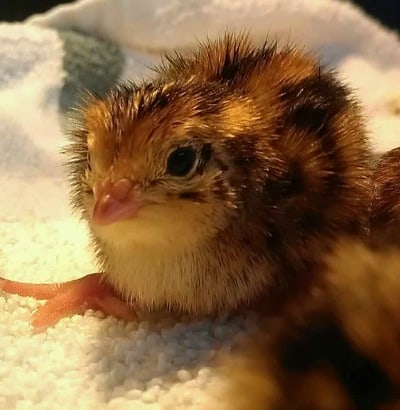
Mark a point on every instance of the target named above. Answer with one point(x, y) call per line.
point(387, 11)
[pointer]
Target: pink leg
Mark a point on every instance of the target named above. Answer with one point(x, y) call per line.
point(72, 297)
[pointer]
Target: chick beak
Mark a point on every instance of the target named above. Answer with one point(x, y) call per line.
point(114, 201)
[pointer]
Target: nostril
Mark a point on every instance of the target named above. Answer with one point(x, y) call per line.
point(121, 188)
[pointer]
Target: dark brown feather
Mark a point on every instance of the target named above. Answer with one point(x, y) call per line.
point(385, 209)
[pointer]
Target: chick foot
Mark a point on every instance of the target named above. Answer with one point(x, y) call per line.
point(69, 298)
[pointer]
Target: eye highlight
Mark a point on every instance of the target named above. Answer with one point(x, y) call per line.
point(181, 161)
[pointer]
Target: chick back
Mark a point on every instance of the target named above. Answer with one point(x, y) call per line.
point(385, 206)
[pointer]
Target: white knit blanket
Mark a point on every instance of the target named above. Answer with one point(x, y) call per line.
point(92, 362)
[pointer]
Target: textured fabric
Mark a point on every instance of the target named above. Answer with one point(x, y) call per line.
point(90, 362)
point(90, 64)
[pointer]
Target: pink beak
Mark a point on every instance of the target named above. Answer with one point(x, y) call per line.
point(114, 201)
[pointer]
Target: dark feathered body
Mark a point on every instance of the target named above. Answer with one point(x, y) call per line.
point(281, 171)
point(334, 348)
point(335, 345)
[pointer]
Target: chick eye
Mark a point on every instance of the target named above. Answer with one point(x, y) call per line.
point(181, 161)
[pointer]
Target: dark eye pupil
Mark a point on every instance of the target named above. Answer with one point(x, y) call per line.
point(181, 161)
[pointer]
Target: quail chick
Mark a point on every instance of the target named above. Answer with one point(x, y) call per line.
point(215, 186)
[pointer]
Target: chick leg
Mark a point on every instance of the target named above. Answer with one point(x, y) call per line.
point(68, 298)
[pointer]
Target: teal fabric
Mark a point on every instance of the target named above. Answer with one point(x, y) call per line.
point(90, 64)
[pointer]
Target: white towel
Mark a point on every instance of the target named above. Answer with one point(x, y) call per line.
point(90, 362)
